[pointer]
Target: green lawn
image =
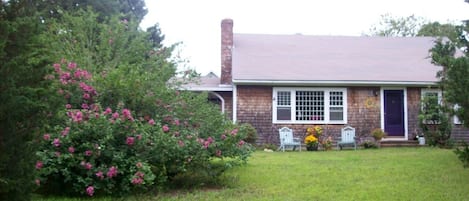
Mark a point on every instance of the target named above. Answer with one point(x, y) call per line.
point(380, 174)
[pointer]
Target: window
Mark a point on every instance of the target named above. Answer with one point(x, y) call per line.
point(431, 101)
point(309, 105)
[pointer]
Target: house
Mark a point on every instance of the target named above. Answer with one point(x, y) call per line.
point(271, 81)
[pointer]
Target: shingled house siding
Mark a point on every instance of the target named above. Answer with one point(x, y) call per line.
point(228, 97)
point(254, 106)
point(413, 109)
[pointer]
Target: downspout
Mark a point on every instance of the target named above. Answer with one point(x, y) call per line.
point(221, 99)
point(235, 98)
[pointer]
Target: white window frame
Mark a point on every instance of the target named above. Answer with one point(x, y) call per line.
point(440, 98)
point(327, 105)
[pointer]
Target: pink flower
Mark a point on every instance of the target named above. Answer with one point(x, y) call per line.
point(88, 153)
point(151, 122)
point(234, 131)
point(66, 131)
point(107, 111)
point(218, 153)
point(87, 166)
point(137, 181)
point(57, 67)
point(181, 143)
point(112, 172)
point(77, 117)
point(115, 115)
point(68, 106)
point(39, 165)
point(223, 137)
point(85, 106)
point(90, 191)
point(241, 143)
point(130, 141)
point(46, 136)
point(139, 165)
point(210, 139)
point(72, 65)
point(176, 122)
point(127, 114)
point(139, 137)
point(86, 96)
point(56, 142)
point(165, 128)
point(100, 175)
point(71, 150)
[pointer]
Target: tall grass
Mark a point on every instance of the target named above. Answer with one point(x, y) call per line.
point(381, 174)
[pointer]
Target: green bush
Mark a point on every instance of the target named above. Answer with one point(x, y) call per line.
point(251, 133)
point(463, 154)
point(114, 151)
point(434, 122)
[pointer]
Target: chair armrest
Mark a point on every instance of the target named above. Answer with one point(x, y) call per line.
point(296, 139)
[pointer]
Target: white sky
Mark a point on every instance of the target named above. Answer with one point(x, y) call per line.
point(197, 23)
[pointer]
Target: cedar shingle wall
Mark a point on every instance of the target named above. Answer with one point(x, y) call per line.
point(255, 107)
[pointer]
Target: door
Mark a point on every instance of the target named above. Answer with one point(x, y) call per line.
point(394, 112)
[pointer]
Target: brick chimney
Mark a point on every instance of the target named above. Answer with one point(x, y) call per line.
point(226, 51)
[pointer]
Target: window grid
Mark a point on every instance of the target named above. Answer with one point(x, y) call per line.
point(336, 103)
point(309, 105)
point(283, 98)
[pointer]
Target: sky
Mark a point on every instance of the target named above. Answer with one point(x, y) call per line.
point(196, 24)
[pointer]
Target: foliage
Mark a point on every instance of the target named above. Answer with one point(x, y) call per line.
point(251, 133)
point(378, 134)
point(397, 26)
point(24, 97)
point(369, 145)
point(439, 30)
point(327, 143)
point(312, 136)
point(434, 122)
point(463, 154)
point(97, 151)
point(454, 73)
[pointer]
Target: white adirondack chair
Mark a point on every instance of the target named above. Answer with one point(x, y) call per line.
point(347, 138)
point(287, 139)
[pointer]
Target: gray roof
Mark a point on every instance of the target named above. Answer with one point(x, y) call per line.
point(259, 58)
point(209, 82)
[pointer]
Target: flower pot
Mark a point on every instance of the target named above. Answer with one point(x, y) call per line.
point(313, 147)
point(421, 141)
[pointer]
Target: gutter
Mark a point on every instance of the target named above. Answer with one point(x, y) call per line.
point(334, 83)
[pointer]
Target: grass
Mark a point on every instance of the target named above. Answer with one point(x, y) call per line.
point(380, 174)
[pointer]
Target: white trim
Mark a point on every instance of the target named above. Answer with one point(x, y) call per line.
point(438, 91)
point(326, 91)
point(208, 89)
point(406, 126)
point(336, 82)
point(221, 99)
point(235, 102)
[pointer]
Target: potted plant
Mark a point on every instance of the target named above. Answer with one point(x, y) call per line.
point(378, 134)
point(327, 143)
point(312, 138)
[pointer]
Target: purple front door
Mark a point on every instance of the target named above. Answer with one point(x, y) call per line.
point(394, 112)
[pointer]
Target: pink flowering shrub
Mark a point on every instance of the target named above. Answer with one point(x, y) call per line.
point(114, 150)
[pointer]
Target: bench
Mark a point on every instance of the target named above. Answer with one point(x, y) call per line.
point(347, 138)
point(287, 139)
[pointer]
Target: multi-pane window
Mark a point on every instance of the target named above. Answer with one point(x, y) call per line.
point(283, 105)
point(430, 105)
point(309, 105)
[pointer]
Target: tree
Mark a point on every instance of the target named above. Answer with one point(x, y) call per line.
point(453, 56)
point(439, 30)
point(397, 26)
